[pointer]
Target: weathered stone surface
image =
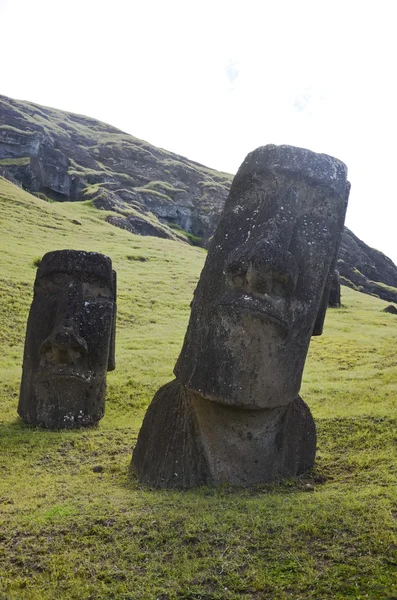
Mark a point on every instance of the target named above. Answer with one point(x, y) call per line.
point(188, 441)
point(233, 415)
point(261, 288)
point(141, 226)
point(70, 340)
point(366, 269)
point(72, 157)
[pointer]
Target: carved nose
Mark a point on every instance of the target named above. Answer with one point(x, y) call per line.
point(64, 345)
point(267, 269)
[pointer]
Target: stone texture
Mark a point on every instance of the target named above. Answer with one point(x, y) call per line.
point(365, 269)
point(186, 441)
point(140, 226)
point(73, 157)
point(233, 415)
point(262, 285)
point(70, 340)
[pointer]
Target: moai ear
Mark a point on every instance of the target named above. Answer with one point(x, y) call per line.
point(112, 346)
point(319, 323)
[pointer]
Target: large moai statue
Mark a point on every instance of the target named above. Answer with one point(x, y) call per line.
point(70, 340)
point(233, 414)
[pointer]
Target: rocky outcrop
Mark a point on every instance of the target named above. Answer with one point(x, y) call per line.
point(390, 309)
point(70, 157)
point(366, 269)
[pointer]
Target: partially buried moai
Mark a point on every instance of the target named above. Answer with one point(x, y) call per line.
point(70, 340)
point(233, 414)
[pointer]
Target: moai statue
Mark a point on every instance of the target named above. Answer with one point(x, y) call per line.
point(233, 414)
point(70, 340)
point(335, 296)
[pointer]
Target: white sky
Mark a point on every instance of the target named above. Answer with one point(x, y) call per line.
point(214, 80)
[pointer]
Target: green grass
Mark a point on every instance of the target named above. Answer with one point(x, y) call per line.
point(15, 162)
point(74, 524)
point(162, 185)
point(384, 286)
point(155, 194)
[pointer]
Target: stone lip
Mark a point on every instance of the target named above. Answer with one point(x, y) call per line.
point(265, 308)
point(319, 169)
point(63, 372)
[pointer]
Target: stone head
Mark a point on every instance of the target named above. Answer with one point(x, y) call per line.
point(262, 286)
point(70, 340)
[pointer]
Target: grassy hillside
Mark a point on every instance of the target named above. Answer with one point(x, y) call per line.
point(71, 532)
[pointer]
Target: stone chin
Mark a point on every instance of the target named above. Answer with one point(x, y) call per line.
point(66, 400)
point(242, 361)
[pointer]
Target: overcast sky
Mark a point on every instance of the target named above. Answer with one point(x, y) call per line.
point(214, 80)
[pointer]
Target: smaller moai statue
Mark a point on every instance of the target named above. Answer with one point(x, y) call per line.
point(70, 340)
point(335, 296)
point(233, 415)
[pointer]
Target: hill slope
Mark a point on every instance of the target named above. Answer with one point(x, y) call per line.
point(70, 532)
point(143, 189)
point(71, 157)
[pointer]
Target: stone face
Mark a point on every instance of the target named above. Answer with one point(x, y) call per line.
point(261, 288)
point(70, 340)
point(233, 415)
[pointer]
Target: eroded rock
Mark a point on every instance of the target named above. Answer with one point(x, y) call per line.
point(390, 309)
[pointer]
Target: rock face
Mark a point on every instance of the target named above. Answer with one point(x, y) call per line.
point(64, 156)
point(149, 191)
point(233, 414)
point(70, 340)
point(365, 269)
point(390, 309)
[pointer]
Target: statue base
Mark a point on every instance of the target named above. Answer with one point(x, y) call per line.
point(188, 441)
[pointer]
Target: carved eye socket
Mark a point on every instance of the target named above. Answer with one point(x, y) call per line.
point(51, 284)
point(96, 291)
point(236, 274)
